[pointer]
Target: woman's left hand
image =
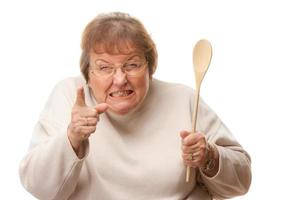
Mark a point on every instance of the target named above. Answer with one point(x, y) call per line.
point(193, 148)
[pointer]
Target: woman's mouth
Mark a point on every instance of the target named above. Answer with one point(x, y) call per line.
point(121, 93)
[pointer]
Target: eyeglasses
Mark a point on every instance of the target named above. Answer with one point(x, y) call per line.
point(107, 70)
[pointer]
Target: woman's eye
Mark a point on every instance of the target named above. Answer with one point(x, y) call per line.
point(131, 66)
point(105, 68)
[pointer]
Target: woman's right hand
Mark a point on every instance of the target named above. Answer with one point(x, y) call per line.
point(84, 120)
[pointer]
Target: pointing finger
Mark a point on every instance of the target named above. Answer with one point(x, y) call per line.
point(80, 99)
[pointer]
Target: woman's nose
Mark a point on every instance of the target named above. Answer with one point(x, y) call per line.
point(119, 77)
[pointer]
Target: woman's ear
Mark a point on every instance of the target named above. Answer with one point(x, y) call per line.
point(150, 77)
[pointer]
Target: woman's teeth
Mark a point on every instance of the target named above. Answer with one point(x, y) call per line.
point(121, 93)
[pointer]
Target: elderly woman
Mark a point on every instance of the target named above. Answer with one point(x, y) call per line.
point(118, 133)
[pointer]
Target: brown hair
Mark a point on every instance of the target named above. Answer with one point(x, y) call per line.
point(114, 33)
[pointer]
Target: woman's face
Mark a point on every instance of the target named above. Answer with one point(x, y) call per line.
point(120, 91)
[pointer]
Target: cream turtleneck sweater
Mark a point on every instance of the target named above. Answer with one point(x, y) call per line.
point(132, 157)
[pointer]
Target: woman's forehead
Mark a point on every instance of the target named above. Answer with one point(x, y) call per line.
point(121, 47)
point(116, 56)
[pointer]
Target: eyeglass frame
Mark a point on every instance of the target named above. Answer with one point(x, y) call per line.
point(96, 67)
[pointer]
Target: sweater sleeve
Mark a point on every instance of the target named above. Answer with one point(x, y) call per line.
point(51, 169)
point(234, 175)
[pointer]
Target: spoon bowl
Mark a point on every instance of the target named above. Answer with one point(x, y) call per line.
point(201, 58)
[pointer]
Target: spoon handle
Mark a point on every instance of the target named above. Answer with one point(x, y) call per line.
point(195, 111)
point(195, 114)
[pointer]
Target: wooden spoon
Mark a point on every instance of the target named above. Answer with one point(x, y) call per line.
point(201, 58)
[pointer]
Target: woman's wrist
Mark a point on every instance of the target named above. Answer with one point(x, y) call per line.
point(210, 166)
point(77, 145)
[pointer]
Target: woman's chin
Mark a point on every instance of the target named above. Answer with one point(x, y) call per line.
point(121, 110)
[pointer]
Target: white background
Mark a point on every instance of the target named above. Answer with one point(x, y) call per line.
point(253, 81)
